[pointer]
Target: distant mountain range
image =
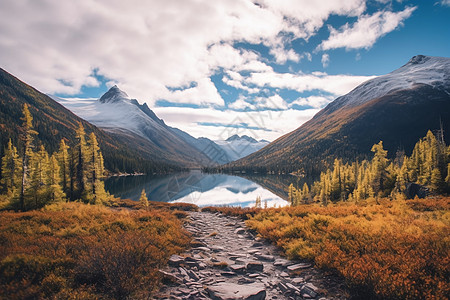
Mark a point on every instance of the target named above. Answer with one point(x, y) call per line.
point(139, 127)
point(53, 122)
point(397, 108)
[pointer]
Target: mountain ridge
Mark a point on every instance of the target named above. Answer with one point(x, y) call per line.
point(54, 122)
point(346, 129)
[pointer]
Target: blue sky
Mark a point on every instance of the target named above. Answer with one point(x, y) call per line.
point(216, 68)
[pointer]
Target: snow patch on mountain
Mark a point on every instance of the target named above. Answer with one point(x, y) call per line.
point(420, 69)
point(237, 147)
point(114, 110)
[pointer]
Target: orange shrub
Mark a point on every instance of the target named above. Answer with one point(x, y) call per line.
point(398, 249)
point(82, 251)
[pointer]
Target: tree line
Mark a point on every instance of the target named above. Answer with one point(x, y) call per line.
point(32, 178)
point(428, 166)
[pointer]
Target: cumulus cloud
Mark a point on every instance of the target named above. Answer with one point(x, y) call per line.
point(282, 55)
point(312, 101)
point(333, 84)
point(325, 60)
point(445, 2)
point(146, 46)
point(366, 31)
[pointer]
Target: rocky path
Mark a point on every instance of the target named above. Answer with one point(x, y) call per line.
point(227, 261)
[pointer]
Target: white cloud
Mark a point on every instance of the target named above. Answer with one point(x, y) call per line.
point(334, 84)
point(366, 31)
point(282, 55)
point(308, 56)
point(312, 101)
point(146, 46)
point(275, 102)
point(445, 2)
point(275, 123)
point(325, 60)
point(203, 93)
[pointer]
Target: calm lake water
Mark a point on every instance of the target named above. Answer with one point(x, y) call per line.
point(200, 189)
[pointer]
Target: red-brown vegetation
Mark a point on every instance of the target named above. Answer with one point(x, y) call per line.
point(395, 249)
point(77, 251)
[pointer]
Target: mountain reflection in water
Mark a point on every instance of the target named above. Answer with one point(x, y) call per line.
point(197, 188)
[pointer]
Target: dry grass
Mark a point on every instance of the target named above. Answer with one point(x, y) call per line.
point(81, 251)
point(397, 249)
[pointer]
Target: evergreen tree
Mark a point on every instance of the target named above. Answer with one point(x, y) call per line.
point(258, 202)
point(64, 166)
point(27, 133)
point(436, 180)
point(379, 164)
point(96, 171)
point(11, 166)
point(81, 165)
point(143, 199)
point(39, 165)
point(54, 184)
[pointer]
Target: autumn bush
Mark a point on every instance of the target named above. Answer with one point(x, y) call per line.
point(78, 251)
point(392, 250)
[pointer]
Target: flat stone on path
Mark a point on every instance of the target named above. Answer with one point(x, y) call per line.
point(230, 291)
point(297, 267)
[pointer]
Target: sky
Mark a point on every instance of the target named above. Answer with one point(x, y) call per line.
point(222, 67)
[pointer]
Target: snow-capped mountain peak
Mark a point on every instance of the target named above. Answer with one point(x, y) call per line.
point(419, 70)
point(114, 95)
point(245, 138)
point(237, 147)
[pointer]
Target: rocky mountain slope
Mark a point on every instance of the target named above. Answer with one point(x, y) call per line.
point(137, 126)
point(397, 108)
point(54, 122)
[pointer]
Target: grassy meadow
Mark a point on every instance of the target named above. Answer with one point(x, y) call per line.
point(79, 251)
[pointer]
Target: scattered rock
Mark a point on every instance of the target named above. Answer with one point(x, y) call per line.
point(175, 260)
point(238, 268)
point(239, 231)
point(229, 291)
point(242, 265)
point(254, 266)
point(300, 266)
point(309, 291)
point(169, 277)
point(265, 257)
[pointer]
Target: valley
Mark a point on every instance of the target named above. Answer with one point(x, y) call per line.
point(224, 150)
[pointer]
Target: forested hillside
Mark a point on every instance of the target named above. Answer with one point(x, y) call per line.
point(53, 123)
point(426, 171)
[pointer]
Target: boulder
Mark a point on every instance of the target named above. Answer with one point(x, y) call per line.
point(413, 190)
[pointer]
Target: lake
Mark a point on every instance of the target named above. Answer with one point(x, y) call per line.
point(201, 189)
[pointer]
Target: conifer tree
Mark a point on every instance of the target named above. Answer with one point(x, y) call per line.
point(96, 171)
point(27, 133)
point(144, 200)
point(54, 185)
point(305, 192)
point(379, 164)
point(80, 165)
point(64, 166)
point(258, 202)
point(10, 169)
point(436, 180)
